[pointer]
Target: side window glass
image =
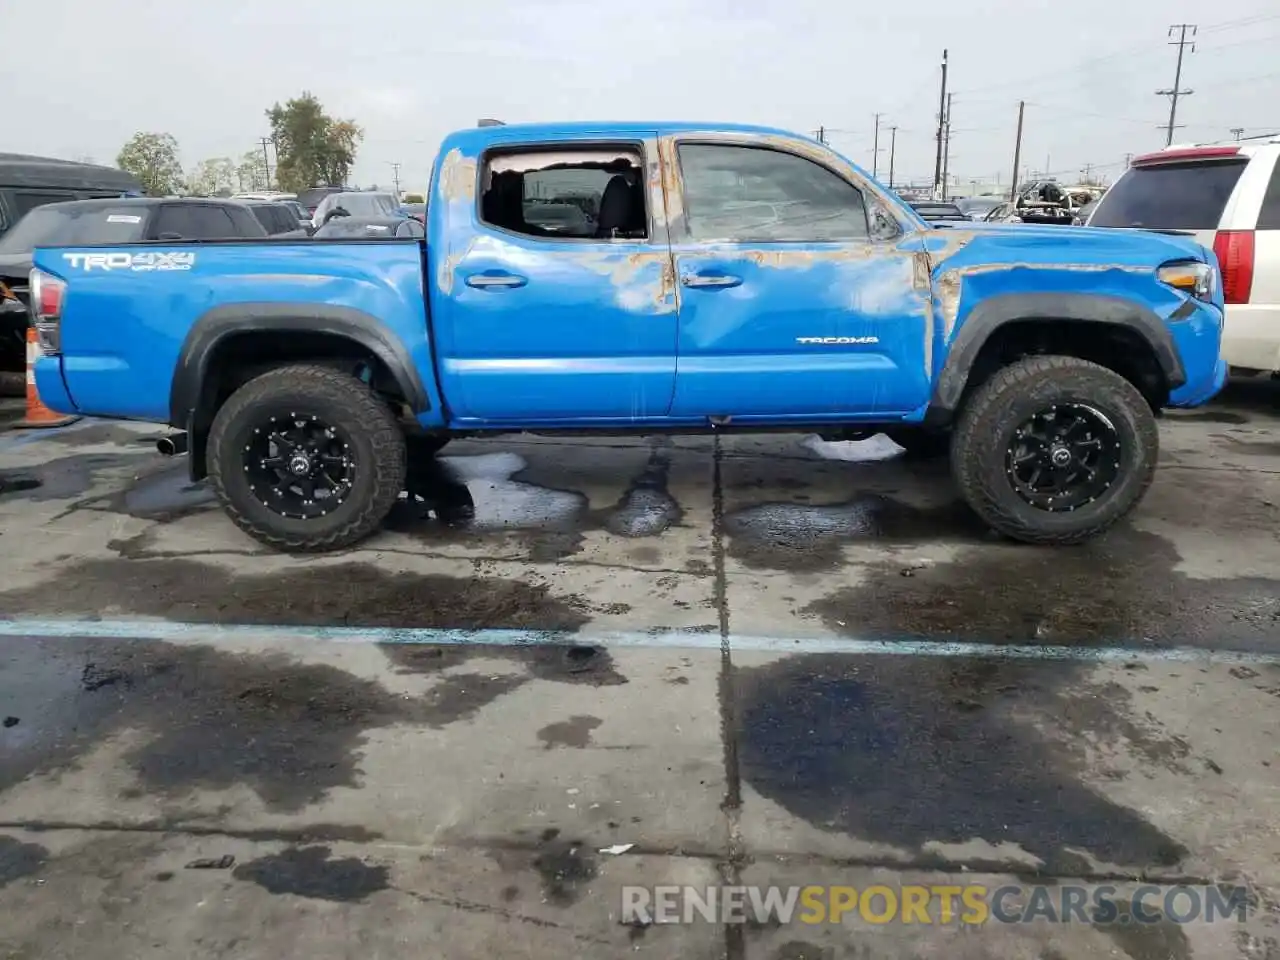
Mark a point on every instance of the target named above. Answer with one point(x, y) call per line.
point(1269, 215)
point(594, 193)
point(753, 193)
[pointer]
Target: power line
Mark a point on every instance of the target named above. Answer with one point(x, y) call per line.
point(1176, 91)
point(942, 115)
point(266, 160)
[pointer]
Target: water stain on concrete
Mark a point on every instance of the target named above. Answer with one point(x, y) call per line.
point(647, 509)
point(1145, 939)
point(566, 867)
point(311, 872)
point(204, 718)
point(1257, 448)
point(800, 538)
point(350, 594)
point(1212, 415)
point(1122, 588)
point(838, 740)
point(103, 433)
point(457, 499)
point(164, 495)
point(17, 482)
point(574, 732)
point(459, 695)
point(19, 860)
point(66, 477)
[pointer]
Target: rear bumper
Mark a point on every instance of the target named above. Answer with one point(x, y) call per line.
point(52, 388)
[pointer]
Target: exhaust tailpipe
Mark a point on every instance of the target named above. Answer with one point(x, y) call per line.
point(172, 445)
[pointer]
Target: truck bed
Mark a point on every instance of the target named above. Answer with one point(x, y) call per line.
point(136, 317)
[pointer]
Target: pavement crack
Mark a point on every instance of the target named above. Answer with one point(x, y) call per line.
point(309, 833)
point(735, 946)
point(476, 906)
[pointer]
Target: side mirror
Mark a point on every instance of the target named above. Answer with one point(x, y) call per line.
point(882, 226)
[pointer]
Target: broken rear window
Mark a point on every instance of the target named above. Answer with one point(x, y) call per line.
point(1170, 196)
point(584, 193)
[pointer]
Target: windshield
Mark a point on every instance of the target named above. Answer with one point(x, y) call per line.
point(358, 205)
point(71, 225)
point(1170, 196)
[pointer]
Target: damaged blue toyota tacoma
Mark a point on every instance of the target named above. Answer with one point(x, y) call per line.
point(641, 277)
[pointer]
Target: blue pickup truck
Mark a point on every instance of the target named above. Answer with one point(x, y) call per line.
point(641, 277)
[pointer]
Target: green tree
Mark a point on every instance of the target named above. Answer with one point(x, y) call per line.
point(311, 147)
point(414, 198)
point(153, 159)
point(212, 176)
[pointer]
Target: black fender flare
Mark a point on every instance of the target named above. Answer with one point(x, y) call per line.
point(229, 320)
point(994, 312)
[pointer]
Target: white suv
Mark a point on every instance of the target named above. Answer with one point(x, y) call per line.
point(1228, 196)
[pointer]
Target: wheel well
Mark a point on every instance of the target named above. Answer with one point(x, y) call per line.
point(240, 357)
point(1116, 347)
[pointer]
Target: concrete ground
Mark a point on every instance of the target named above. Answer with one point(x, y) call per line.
point(730, 655)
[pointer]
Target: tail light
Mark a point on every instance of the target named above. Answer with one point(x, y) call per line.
point(1235, 255)
point(47, 296)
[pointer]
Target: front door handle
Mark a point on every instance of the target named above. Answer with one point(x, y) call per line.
point(484, 280)
point(709, 280)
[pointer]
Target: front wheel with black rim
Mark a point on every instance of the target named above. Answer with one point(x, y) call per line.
point(1055, 449)
point(306, 458)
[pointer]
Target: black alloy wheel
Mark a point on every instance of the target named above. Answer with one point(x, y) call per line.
point(299, 466)
point(1064, 458)
point(307, 458)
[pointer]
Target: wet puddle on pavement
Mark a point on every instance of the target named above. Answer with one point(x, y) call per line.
point(456, 498)
point(913, 751)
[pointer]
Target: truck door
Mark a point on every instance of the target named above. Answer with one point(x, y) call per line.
point(791, 306)
point(555, 296)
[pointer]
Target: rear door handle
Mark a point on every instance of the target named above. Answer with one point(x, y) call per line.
point(483, 280)
point(709, 280)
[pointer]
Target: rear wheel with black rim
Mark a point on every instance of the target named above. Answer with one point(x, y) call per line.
point(1055, 449)
point(306, 458)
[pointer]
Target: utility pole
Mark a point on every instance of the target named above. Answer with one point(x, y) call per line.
point(395, 178)
point(1173, 94)
point(893, 148)
point(942, 108)
point(946, 151)
point(266, 159)
point(875, 147)
point(1237, 132)
point(822, 135)
point(1017, 153)
point(1128, 160)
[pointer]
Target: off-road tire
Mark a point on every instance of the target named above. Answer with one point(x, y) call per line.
point(1013, 394)
point(377, 448)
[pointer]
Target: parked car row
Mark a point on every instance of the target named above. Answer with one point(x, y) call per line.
point(116, 219)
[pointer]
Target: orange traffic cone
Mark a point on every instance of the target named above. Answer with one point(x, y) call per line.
point(38, 415)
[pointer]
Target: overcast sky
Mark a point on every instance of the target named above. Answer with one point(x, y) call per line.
point(82, 76)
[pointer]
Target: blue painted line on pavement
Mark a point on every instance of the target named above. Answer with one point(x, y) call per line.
point(670, 639)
